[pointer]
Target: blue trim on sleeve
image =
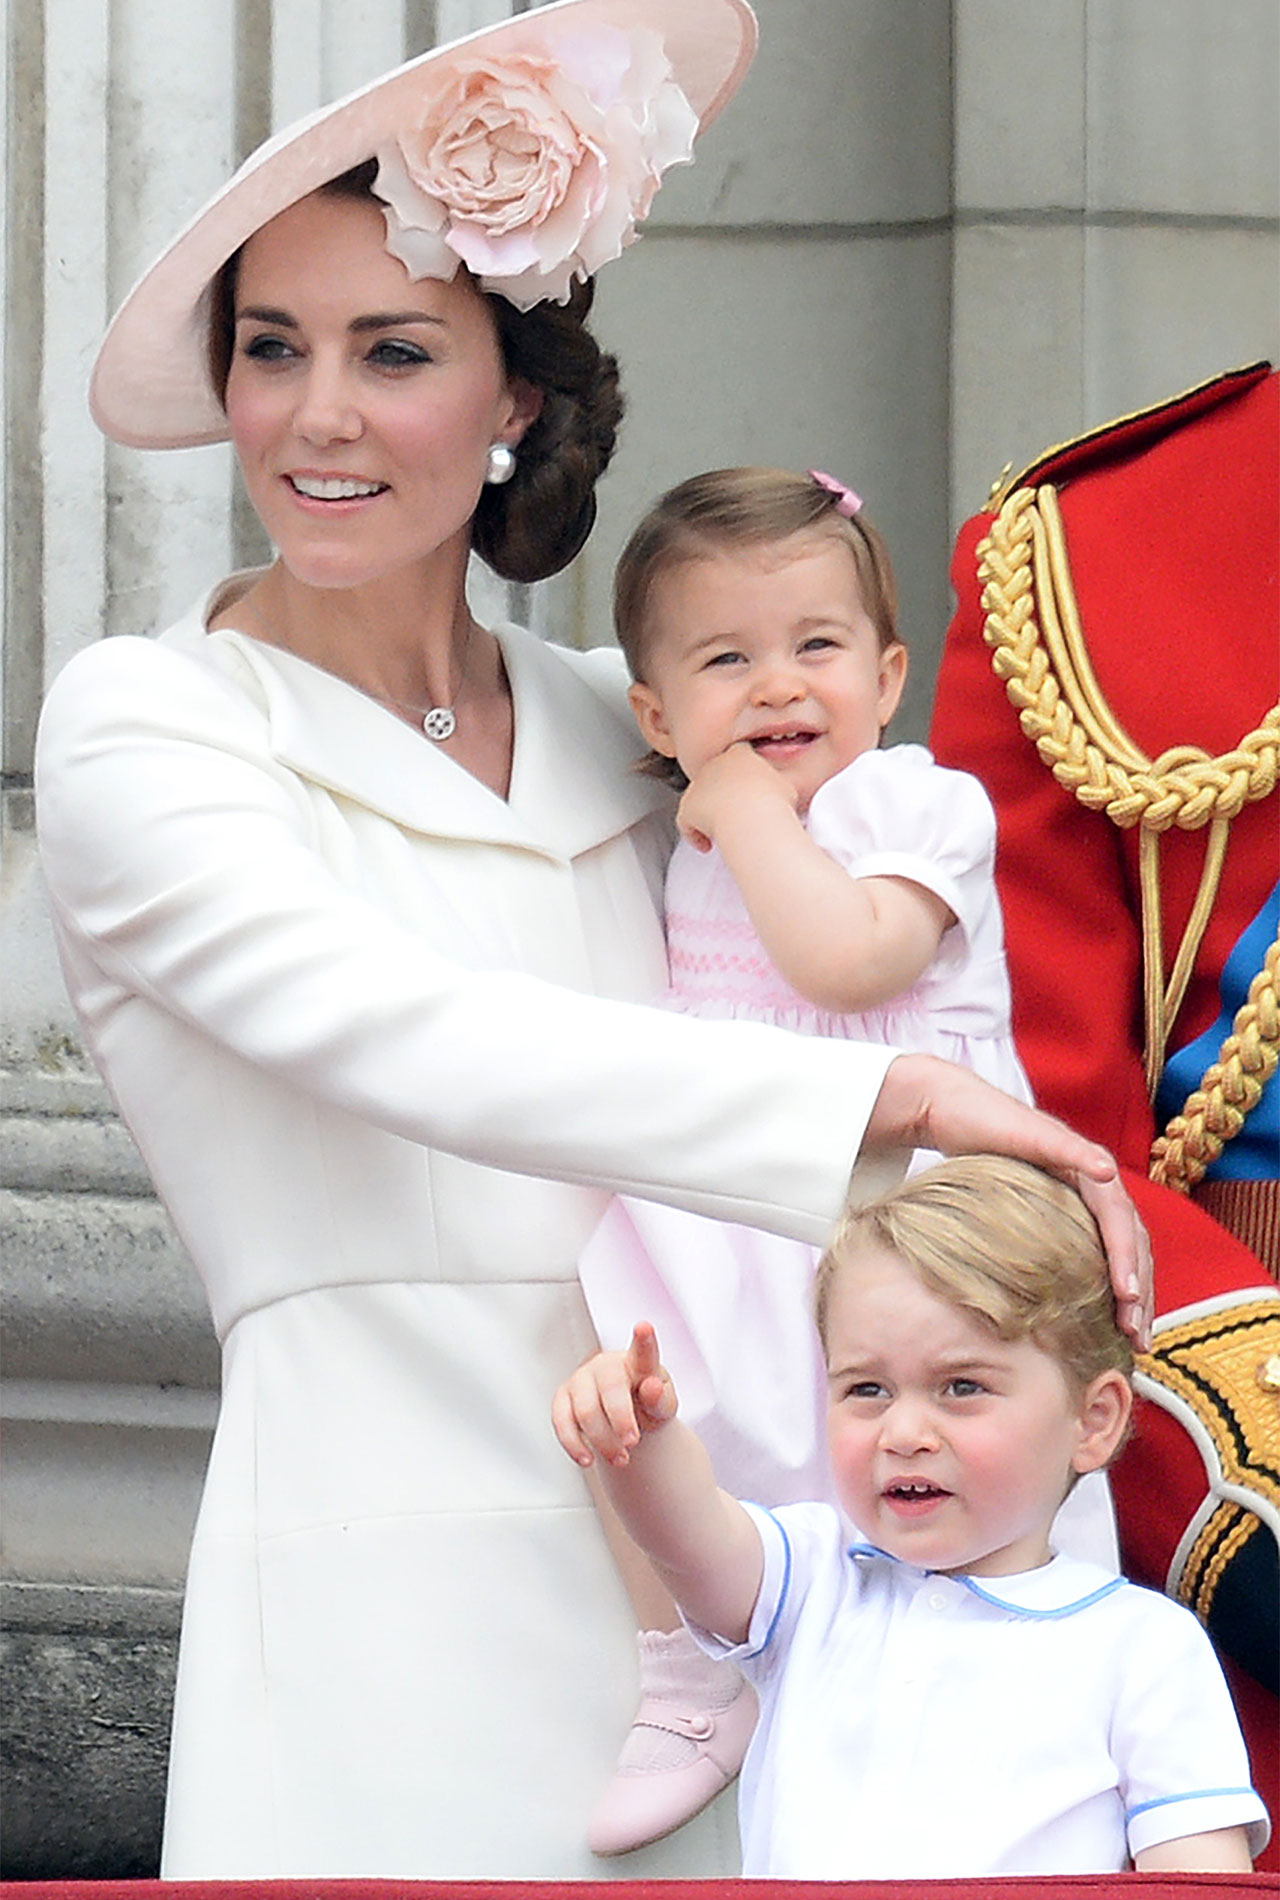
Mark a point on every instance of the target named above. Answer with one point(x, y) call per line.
point(1196, 1794)
point(1063, 1609)
point(786, 1581)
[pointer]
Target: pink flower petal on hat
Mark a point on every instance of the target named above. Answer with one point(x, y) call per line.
point(535, 167)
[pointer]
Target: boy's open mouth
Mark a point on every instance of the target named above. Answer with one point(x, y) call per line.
point(913, 1494)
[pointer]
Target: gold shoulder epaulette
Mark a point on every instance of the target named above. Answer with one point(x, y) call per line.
point(1216, 1367)
point(1041, 469)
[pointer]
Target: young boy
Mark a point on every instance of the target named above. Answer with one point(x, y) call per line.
point(943, 1695)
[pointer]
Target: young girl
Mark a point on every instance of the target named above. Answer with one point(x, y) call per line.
point(946, 1696)
point(822, 884)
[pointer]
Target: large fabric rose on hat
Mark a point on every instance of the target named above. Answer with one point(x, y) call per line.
point(535, 167)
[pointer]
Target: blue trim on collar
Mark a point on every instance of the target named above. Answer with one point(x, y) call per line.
point(1063, 1609)
point(987, 1594)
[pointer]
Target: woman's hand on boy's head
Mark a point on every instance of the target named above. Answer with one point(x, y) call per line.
point(725, 786)
point(604, 1408)
point(926, 1102)
point(1127, 1242)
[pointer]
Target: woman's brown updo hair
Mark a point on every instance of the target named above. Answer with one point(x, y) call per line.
point(533, 525)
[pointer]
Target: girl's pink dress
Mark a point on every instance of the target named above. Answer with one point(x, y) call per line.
point(732, 1305)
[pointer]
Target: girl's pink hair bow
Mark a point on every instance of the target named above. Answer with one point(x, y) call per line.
point(847, 502)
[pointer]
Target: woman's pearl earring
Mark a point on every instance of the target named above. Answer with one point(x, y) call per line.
point(501, 465)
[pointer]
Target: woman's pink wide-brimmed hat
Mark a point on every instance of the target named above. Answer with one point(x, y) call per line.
point(528, 151)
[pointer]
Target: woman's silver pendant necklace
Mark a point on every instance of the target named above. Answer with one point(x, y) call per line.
point(441, 722)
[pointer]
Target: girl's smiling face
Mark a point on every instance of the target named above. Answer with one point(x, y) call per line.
point(361, 403)
point(772, 645)
point(951, 1448)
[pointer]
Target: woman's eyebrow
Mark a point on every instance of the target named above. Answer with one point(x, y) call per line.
point(262, 313)
point(394, 319)
point(375, 320)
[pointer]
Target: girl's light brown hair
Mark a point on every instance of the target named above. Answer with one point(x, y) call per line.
point(1006, 1243)
point(728, 508)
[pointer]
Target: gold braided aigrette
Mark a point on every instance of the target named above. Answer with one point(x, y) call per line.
point(1033, 627)
point(1231, 1086)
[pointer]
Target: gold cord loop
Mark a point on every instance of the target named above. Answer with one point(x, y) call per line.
point(1231, 1086)
point(1038, 649)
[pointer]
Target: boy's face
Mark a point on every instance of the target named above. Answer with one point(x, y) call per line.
point(951, 1449)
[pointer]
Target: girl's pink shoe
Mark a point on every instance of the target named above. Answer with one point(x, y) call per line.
point(686, 1744)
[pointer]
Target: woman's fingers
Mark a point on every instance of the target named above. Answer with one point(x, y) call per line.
point(1128, 1248)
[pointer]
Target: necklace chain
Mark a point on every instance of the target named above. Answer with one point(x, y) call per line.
point(438, 722)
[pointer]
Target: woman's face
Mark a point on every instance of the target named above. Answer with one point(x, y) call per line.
point(361, 404)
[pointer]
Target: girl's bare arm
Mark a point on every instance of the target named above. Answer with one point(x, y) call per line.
point(845, 943)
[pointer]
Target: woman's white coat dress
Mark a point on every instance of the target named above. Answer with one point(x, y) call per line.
point(372, 1028)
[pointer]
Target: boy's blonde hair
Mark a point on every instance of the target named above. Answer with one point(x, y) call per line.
point(1006, 1243)
point(734, 508)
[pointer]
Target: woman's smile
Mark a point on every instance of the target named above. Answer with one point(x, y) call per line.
point(333, 488)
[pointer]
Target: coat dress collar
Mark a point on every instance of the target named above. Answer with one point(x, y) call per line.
point(571, 786)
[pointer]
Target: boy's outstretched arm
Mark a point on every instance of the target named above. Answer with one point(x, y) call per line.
point(619, 1409)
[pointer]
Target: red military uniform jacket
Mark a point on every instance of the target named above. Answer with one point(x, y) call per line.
point(1131, 609)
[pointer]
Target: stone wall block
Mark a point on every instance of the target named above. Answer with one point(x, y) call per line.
point(1182, 108)
point(1019, 106)
point(87, 1714)
point(50, 1155)
point(1017, 341)
point(106, 1497)
point(97, 1288)
point(1131, 275)
point(171, 143)
point(845, 118)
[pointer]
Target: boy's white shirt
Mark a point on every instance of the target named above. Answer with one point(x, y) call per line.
point(915, 1725)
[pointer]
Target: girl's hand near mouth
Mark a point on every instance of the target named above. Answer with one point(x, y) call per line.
point(730, 789)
